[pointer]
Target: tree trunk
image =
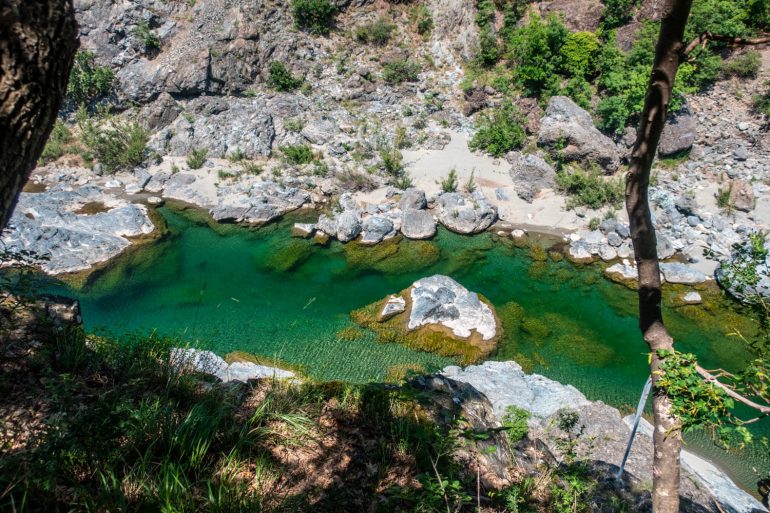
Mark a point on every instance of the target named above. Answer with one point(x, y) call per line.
point(667, 435)
point(38, 40)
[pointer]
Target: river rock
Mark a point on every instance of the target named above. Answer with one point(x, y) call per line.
point(256, 203)
point(566, 123)
point(692, 298)
point(303, 230)
point(417, 224)
point(506, 384)
point(678, 135)
point(348, 226)
point(393, 306)
point(198, 360)
point(742, 196)
point(530, 174)
point(676, 272)
point(412, 199)
point(441, 300)
point(49, 225)
point(466, 214)
point(375, 228)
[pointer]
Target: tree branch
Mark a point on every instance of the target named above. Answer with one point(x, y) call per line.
point(730, 392)
point(735, 41)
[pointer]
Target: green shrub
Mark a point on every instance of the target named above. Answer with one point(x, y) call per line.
point(197, 158)
point(88, 81)
point(536, 54)
point(579, 53)
point(298, 154)
point(115, 142)
point(746, 65)
point(724, 17)
point(252, 168)
point(58, 142)
point(515, 423)
point(315, 16)
point(424, 21)
point(580, 90)
point(489, 48)
point(762, 102)
point(450, 183)
point(617, 12)
point(147, 37)
point(399, 71)
point(377, 33)
point(499, 133)
point(281, 78)
point(392, 161)
point(590, 189)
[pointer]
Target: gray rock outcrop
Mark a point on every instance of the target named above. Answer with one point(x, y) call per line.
point(568, 129)
point(51, 225)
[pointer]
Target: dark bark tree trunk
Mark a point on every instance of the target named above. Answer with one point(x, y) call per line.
point(667, 435)
point(38, 40)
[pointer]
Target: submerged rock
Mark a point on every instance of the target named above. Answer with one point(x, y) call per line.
point(435, 314)
point(682, 273)
point(198, 360)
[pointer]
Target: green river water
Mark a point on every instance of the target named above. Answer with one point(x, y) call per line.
point(230, 288)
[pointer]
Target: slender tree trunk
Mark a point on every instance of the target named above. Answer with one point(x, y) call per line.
point(38, 40)
point(667, 435)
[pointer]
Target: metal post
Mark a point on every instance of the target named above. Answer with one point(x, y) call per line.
point(639, 410)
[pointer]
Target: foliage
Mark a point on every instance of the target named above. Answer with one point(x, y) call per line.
point(377, 33)
point(146, 36)
point(470, 185)
point(281, 78)
point(397, 71)
point(298, 154)
point(450, 183)
point(500, 132)
point(617, 12)
point(745, 65)
point(536, 54)
point(88, 81)
point(579, 53)
point(424, 21)
point(580, 90)
point(761, 102)
point(589, 188)
point(197, 158)
point(315, 16)
point(515, 421)
point(490, 50)
point(58, 144)
point(724, 17)
point(115, 142)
